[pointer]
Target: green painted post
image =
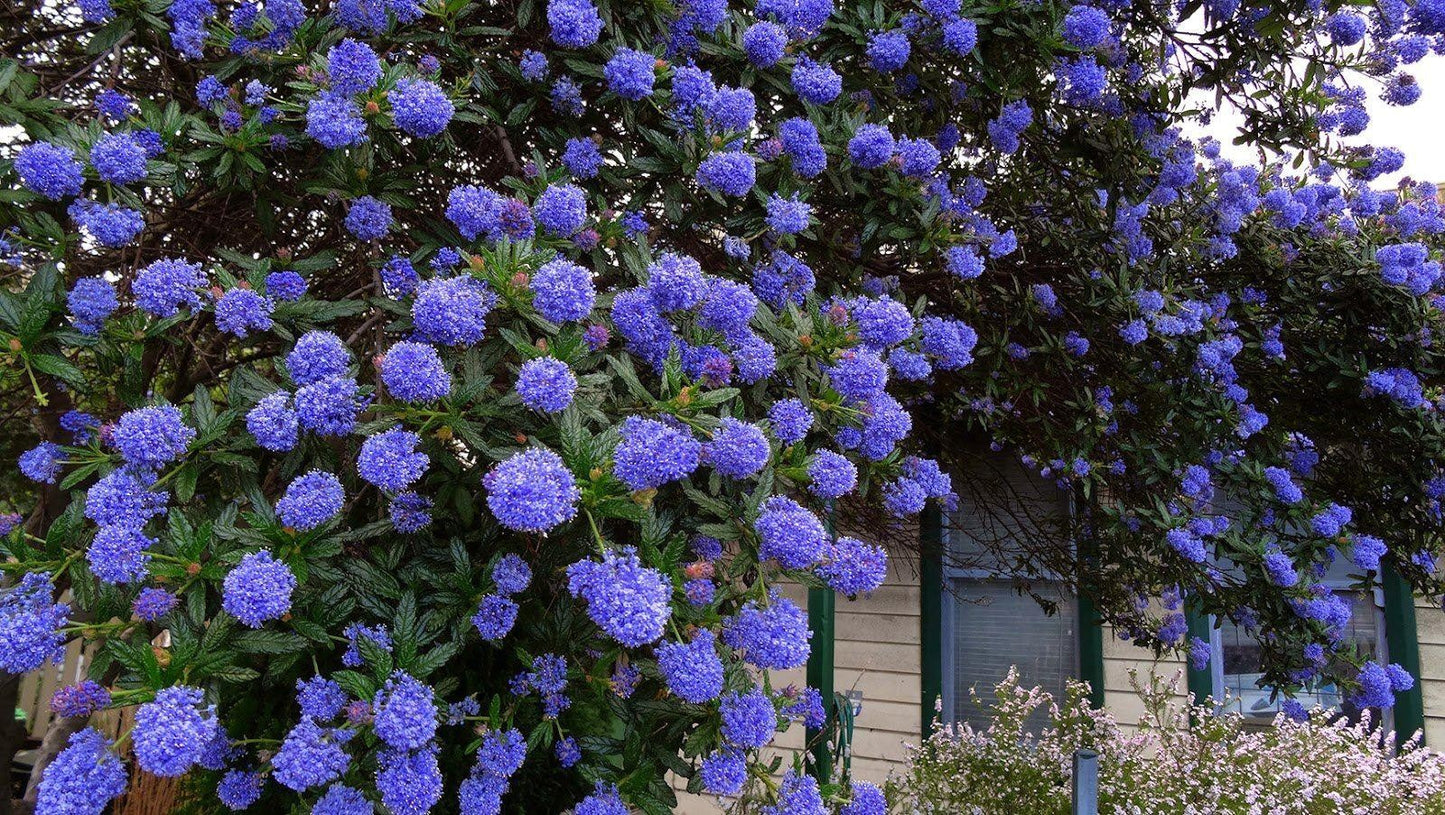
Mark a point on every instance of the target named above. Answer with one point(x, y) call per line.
point(930, 539)
point(1091, 648)
point(1200, 680)
point(822, 611)
point(821, 607)
point(1403, 642)
point(1091, 626)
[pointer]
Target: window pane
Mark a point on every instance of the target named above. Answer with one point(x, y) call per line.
point(1241, 661)
point(994, 628)
point(1008, 518)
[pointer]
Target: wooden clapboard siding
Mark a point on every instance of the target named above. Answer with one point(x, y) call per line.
point(37, 687)
point(1430, 628)
point(1121, 657)
point(878, 653)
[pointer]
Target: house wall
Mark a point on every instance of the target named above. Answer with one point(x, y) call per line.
point(1120, 658)
point(878, 650)
point(1430, 629)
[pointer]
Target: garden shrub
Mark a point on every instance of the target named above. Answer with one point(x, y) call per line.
point(1178, 758)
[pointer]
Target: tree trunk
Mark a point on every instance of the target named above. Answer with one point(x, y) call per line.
point(12, 736)
point(57, 735)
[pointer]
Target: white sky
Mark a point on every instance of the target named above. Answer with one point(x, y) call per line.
point(1417, 130)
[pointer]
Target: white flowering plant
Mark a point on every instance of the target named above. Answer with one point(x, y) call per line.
point(416, 401)
point(1177, 758)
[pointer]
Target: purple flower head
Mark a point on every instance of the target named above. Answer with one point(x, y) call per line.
point(328, 407)
point(368, 218)
point(49, 170)
point(334, 121)
point(79, 700)
point(352, 67)
point(832, 474)
point(118, 554)
point(241, 311)
point(152, 604)
point(511, 574)
point(311, 755)
point(788, 216)
point(630, 74)
point(83, 778)
point(166, 286)
point(693, 671)
point(854, 567)
point(724, 772)
point(573, 23)
point(320, 698)
point(172, 732)
point(118, 158)
point(860, 375)
point(495, 617)
point(749, 720)
point(764, 43)
point(888, 50)
point(737, 449)
point(453, 310)
point(676, 282)
point(406, 714)
point(311, 500)
point(532, 491)
point(773, 637)
point(562, 291)
point(258, 589)
point(627, 600)
point(653, 453)
point(342, 800)
point(816, 83)
point(546, 384)
point(729, 173)
point(414, 372)
point(152, 436)
point(273, 423)
point(420, 108)
point(561, 210)
point(390, 460)
point(604, 800)
point(42, 462)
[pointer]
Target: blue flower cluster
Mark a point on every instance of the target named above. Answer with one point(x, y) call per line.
point(546, 384)
point(653, 453)
point(390, 461)
point(693, 671)
point(258, 589)
point(172, 732)
point(414, 372)
point(773, 636)
point(311, 500)
point(627, 600)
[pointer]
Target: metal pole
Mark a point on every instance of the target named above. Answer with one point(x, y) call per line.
point(821, 618)
point(1086, 782)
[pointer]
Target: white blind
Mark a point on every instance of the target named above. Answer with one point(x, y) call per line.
point(1007, 514)
point(995, 628)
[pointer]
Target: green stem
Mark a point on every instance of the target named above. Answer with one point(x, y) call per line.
point(35, 384)
point(596, 533)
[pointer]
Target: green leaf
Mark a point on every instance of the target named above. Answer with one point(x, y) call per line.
point(269, 642)
point(61, 368)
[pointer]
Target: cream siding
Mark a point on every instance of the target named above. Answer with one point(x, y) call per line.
point(1123, 656)
point(1430, 629)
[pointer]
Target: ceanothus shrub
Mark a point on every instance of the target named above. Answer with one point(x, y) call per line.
point(454, 383)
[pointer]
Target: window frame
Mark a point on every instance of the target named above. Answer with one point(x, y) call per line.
point(1382, 650)
point(1085, 623)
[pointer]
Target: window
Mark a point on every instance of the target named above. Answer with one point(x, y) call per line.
point(1007, 515)
point(1236, 659)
